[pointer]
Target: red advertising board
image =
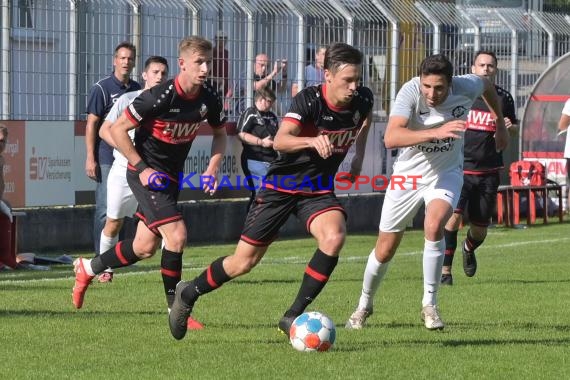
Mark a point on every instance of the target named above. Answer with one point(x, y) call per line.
point(15, 170)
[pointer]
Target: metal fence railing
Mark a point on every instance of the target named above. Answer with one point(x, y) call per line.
point(53, 51)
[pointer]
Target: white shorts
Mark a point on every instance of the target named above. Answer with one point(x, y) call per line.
point(401, 205)
point(120, 199)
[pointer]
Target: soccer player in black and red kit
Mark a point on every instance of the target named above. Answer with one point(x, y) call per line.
point(481, 171)
point(313, 139)
point(167, 118)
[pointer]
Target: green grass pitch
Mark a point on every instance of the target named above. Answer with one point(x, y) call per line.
point(512, 320)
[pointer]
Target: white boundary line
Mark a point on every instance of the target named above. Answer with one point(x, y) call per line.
point(300, 260)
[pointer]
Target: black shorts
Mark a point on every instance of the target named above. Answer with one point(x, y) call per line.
point(479, 197)
point(156, 207)
point(271, 210)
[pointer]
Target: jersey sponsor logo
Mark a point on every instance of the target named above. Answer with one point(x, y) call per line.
point(178, 131)
point(437, 146)
point(481, 121)
point(341, 140)
point(327, 118)
point(174, 110)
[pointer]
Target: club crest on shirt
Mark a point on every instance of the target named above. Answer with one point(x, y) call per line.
point(356, 117)
point(203, 110)
point(459, 111)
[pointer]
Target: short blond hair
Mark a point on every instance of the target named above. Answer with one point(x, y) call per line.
point(194, 43)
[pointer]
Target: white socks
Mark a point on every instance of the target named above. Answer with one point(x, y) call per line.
point(87, 266)
point(373, 275)
point(106, 243)
point(432, 264)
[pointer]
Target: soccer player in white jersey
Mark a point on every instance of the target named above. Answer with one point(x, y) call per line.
point(427, 123)
point(120, 199)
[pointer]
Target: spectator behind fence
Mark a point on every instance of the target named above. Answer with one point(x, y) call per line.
point(563, 125)
point(99, 154)
point(315, 73)
point(6, 256)
point(260, 79)
point(257, 127)
point(220, 65)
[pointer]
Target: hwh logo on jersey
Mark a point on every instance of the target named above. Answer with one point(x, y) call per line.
point(481, 121)
point(178, 130)
point(342, 140)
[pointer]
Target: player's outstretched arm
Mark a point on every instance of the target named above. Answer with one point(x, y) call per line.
point(492, 99)
point(360, 146)
point(399, 136)
point(116, 111)
point(217, 153)
point(288, 140)
point(119, 132)
point(564, 122)
point(105, 133)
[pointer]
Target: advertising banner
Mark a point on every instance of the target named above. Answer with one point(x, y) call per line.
point(45, 165)
point(14, 169)
point(49, 163)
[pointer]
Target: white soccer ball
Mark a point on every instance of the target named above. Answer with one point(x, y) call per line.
point(312, 331)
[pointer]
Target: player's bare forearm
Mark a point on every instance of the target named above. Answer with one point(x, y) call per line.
point(91, 135)
point(492, 99)
point(217, 154)
point(360, 147)
point(564, 122)
point(105, 133)
point(287, 139)
point(290, 143)
point(218, 149)
point(119, 132)
point(399, 136)
point(90, 144)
